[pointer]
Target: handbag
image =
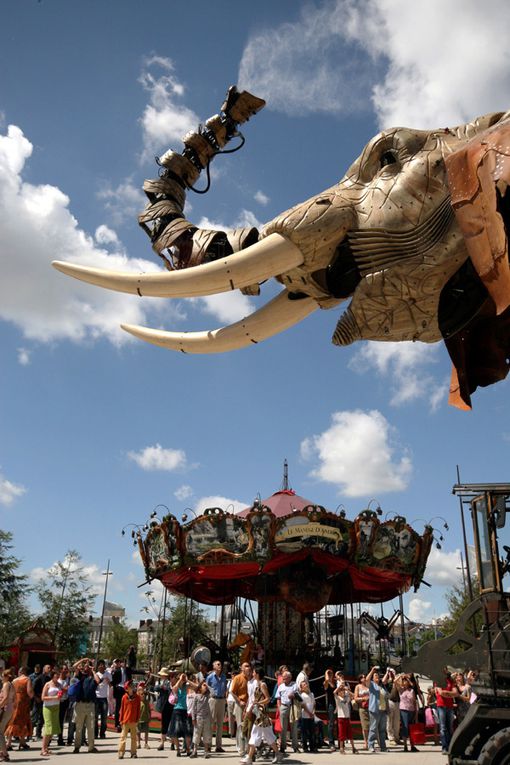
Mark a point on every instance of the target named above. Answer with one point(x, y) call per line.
point(163, 697)
point(417, 733)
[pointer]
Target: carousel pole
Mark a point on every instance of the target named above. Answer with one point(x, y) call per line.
point(222, 626)
point(163, 625)
point(402, 625)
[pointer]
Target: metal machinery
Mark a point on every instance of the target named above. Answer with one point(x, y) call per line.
point(482, 638)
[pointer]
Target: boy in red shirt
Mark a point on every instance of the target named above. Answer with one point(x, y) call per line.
point(128, 718)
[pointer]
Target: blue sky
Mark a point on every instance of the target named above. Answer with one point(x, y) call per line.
point(96, 429)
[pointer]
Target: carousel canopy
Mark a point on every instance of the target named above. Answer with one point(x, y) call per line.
point(286, 548)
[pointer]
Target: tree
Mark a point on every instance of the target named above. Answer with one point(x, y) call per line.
point(66, 599)
point(457, 599)
point(117, 640)
point(14, 614)
point(188, 622)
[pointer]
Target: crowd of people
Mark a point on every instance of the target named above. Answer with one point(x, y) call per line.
point(194, 707)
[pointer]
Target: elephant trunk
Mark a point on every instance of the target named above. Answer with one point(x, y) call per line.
point(177, 241)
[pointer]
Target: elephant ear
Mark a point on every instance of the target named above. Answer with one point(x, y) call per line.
point(478, 177)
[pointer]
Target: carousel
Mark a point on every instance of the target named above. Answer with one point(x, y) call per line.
point(291, 556)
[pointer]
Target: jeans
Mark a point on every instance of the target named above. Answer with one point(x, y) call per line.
point(406, 718)
point(307, 734)
point(101, 714)
point(377, 730)
point(331, 724)
point(445, 726)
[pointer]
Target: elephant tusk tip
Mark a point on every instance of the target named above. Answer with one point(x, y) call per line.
point(133, 329)
point(60, 265)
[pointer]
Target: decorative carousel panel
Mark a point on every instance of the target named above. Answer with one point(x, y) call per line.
point(216, 536)
point(396, 546)
point(313, 527)
point(261, 528)
point(160, 550)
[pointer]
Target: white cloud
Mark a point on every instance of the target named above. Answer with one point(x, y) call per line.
point(105, 235)
point(36, 226)
point(404, 364)
point(358, 453)
point(227, 307)
point(443, 568)
point(165, 119)
point(90, 571)
point(340, 54)
point(227, 504)
point(158, 458)
point(420, 87)
point(23, 357)
point(183, 492)
point(419, 610)
point(261, 198)
point(125, 201)
point(309, 65)
point(9, 491)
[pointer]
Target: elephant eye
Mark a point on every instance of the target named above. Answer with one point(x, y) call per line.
point(388, 158)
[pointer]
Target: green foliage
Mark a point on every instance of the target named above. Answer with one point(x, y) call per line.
point(66, 599)
point(14, 614)
point(186, 621)
point(457, 599)
point(117, 640)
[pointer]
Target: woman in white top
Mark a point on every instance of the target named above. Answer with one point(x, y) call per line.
point(51, 695)
point(262, 730)
point(307, 717)
point(361, 696)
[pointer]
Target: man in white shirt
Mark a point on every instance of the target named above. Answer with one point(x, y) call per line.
point(285, 694)
point(304, 675)
point(102, 691)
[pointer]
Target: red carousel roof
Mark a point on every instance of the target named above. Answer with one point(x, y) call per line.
point(286, 548)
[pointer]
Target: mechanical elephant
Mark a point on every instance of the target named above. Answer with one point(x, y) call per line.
point(413, 237)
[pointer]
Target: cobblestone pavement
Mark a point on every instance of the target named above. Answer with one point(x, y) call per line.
point(107, 755)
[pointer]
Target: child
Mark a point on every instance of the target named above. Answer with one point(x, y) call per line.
point(145, 716)
point(202, 720)
point(180, 722)
point(128, 718)
point(307, 717)
point(344, 696)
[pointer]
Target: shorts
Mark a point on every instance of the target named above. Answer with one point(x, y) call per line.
point(344, 729)
point(143, 727)
point(261, 734)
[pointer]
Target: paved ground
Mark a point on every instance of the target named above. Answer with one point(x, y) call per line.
point(107, 755)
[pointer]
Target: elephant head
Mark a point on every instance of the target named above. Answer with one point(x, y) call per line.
point(413, 236)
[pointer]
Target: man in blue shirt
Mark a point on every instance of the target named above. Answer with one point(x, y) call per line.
point(217, 683)
point(85, 703)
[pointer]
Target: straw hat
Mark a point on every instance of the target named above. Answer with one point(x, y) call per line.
point(164, 672)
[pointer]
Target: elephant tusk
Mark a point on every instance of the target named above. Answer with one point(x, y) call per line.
point(271, 256)
point(277, 315)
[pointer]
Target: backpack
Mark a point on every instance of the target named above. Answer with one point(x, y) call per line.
point(75, 691)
